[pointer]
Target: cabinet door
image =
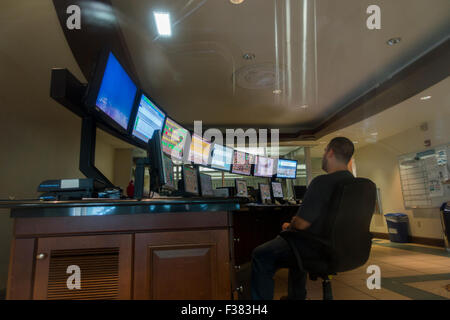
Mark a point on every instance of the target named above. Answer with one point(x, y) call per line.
point(104, 262)
point(180, 265)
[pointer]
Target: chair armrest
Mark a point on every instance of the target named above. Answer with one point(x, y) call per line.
point(292, 235)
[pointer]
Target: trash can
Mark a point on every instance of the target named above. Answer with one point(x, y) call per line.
point(397, 224)
point(445, 219)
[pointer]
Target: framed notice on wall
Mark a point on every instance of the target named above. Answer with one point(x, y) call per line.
point(425, 178)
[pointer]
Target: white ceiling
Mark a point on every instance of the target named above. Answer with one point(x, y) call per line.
point(190, 73)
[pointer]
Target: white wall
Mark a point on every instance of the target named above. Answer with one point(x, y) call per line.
point(379, 162)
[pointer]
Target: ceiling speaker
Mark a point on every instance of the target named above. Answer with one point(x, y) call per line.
point(259, 76)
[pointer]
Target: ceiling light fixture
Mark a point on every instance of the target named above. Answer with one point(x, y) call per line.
point(163, 23)
point(426, 98)
point(236, 1)
point(394, 41)
point(374, 134)
point(277, 91)
point(304, 106)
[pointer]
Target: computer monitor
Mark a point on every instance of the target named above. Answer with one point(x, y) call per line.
point(264, 167)
point(169, 173)
point(206, 186)
point(112, 92)
point(148, 119)
point(264, 192)
point(241, 188)
point(190, 180)
point(199, 151)
point(161, 167)
point(221, 192)
point(174, 139)
point(222, 157)
point(277, 190)
point(242, 163)
point(287, 169)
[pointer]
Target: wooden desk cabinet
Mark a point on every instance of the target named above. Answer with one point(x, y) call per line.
point(177, 255)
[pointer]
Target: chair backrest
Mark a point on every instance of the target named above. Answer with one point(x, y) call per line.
point(351, 207)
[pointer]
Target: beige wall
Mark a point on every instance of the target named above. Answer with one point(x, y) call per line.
point(123, 163)
point(379, 162)
point(33, 152)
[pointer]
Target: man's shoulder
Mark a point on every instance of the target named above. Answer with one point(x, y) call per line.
point(339, 175)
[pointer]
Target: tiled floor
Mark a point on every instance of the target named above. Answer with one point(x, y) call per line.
point(408, 271)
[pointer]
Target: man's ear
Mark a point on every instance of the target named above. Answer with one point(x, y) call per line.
point(330, 153)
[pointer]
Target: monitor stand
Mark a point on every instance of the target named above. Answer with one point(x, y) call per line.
point(87, 153)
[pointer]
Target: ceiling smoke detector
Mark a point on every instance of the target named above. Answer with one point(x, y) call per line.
point(394, 41)
point(259, 76)
point(249, 56)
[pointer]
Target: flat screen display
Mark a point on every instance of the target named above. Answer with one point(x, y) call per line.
point(264, 190)
point(199, 150)
point(117, 93)
point(242, 163)
point(222, 157)
point(173, 139)
point(287, 169)
point(206, 185)
point(148, 119)
point(264, 167)
point(277, 190)
point(168, 172)
point(241, 188)
point(190, 180)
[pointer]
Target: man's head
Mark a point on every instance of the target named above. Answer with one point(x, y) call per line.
point(337, 154)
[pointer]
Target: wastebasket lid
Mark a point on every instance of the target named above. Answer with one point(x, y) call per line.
point(395, 215)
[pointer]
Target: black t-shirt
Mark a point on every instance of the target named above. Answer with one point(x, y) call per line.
point(316, 201)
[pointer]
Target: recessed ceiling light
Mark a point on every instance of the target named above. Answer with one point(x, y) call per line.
point(394, 41)
point(236, 1)
point(277, 91)
point(426, 98)
point(304, 106)
point(163, 23)
point(374, 134)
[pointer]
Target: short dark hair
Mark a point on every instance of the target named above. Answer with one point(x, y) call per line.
point(343, 148)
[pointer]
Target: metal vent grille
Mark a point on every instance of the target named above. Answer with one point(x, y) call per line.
point(99, 274)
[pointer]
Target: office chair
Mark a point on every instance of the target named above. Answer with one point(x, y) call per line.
point(349, 242)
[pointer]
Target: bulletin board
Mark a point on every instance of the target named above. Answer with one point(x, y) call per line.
point(425, 178)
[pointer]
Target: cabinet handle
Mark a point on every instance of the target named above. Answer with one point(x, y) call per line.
point(236, 239)
point(41, 256)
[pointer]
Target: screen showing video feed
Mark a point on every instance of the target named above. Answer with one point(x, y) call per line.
point(190, 180)
point(199, 150)
point(117, 93)
point(241, 188)
point(222, 157)
point(277, 190)
point(264, 167)
point(149, 118)
point(264, 190)
point(242, 163)
point(287, 169)
point(206, 186)
point(173, 139)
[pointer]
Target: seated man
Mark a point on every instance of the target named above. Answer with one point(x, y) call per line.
point(275, 254)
